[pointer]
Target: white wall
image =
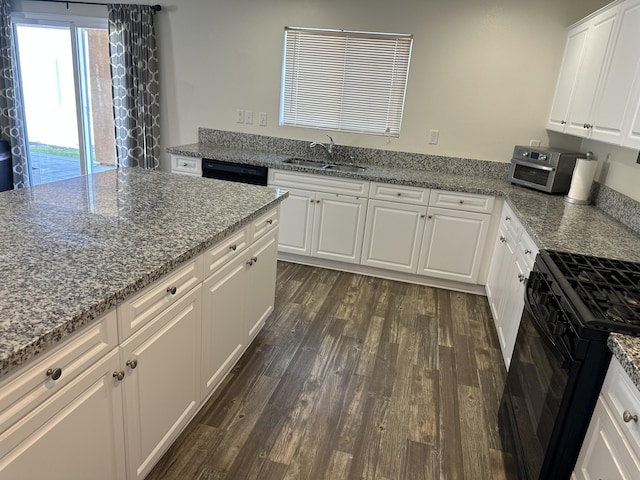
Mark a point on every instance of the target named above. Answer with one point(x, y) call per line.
point(617, 167)
point(482, 71)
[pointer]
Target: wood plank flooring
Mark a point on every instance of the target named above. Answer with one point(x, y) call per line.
point(355, 378)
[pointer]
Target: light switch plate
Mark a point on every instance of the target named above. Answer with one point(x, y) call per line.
point(239, 116)
point(248, 117)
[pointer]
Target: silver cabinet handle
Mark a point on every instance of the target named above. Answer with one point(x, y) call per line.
point(627, 417)
point(233, 247)
point(503, 240)
point(270, 221)
point(527, 251)
point(461, 202)
point(172, 290)
point(399, 194)
point(521, 277)
point(311, 200)
point(563, 122)
point(119, 375)
point(429, 217)
point(185, 164)
point(507, 219)
point(132, 364)
point(422, 215)
point(252, 260)
point(54, 373)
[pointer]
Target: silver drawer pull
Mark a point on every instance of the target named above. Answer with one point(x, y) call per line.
point(527, 251)
point(502, 239)
point(507, 218)
point(54, 373)
point(132, 364)
point(627, 417)
point(233, 247)
point(399, 194)
point(119, 375)
point(185, 164)
point(521, 277)
point(172, 290)
point(461, 202)
point(270, 221)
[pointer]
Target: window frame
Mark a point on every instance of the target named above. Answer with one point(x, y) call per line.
point(350, 80)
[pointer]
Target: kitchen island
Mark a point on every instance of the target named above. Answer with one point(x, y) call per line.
point(113, 284)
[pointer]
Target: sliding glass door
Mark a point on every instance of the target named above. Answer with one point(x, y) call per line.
point(66, 84)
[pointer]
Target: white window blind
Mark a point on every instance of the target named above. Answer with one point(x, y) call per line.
point(345, 81)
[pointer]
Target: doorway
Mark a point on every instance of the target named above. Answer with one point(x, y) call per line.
point(65, 77)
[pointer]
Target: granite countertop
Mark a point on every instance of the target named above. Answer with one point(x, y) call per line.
point(551, 222)
point(75, 248)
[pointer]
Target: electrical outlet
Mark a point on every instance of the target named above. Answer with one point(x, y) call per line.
point(240, 116)
point(434, 135)
point(262, 119)
point(534, 143)
point(248, 117)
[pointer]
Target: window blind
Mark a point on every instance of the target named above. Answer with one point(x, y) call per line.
point(345, 81)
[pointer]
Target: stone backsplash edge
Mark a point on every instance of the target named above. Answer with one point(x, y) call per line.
point(346, 154)
point(624, 209)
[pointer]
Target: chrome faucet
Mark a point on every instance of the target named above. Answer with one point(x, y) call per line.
point(329, 148)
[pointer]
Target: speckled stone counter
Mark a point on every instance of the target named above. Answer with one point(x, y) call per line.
point(552, 223)
point(75, 248)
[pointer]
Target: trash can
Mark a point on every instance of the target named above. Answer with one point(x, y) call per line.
point(6, 166)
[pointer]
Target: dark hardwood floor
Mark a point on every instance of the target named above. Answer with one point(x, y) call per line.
point(355, 378)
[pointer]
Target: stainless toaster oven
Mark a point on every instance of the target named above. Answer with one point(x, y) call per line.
point(548, 169)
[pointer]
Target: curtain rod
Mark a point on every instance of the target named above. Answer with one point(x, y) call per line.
point(157, 8)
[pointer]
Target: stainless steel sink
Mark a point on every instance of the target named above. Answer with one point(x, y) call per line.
point(345, 167)
point(305, 163)
point(341, 167)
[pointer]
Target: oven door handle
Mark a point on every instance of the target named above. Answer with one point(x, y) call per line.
point(537, 166)
point(558, 347)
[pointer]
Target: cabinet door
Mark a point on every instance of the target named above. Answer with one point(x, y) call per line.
point(605, 452)
point(393, 235)
point(573, 51)
point(77, 434)
point(162, 391)
point(497, 278)
point(224, 309)
point(453, 244)
point(590, 72)
point(610, 111)
point(338, 227)
point(512, 308)
point(261, 289)
point(296, 222)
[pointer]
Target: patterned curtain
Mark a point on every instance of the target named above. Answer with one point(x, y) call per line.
point(134, 73)
point(11, 116)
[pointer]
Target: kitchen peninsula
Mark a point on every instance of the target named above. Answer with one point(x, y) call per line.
point(109, 286)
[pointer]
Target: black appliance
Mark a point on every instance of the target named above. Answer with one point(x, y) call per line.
point(560, 359)
point(6, 167)
point(234, 172)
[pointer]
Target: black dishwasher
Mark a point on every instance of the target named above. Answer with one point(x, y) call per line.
point(234, 172)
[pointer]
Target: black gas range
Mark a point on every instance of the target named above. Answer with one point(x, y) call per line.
point(572, 303)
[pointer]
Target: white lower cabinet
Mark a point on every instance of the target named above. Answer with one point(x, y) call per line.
point(393, 235)
point(161, 366)
point(75, 435)
point(513, 257)
point(106, 404)
point(237, 301)
point(611, 447)
point(338, 227)
point(296, 222)
point(453, 244)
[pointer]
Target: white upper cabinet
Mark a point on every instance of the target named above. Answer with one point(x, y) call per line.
point(598, 90)
point(591, 71)
point(567, 79)
point(613, 107)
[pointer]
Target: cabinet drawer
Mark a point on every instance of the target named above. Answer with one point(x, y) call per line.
point(528, 250)
point(264, 224)
point(511, 222)
point(621, 395)
point(222, 252)
point(399, 193)
point(186, 165)
point(468, 202)
point(134, 313)
point(28, 388)
point(318, 183)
